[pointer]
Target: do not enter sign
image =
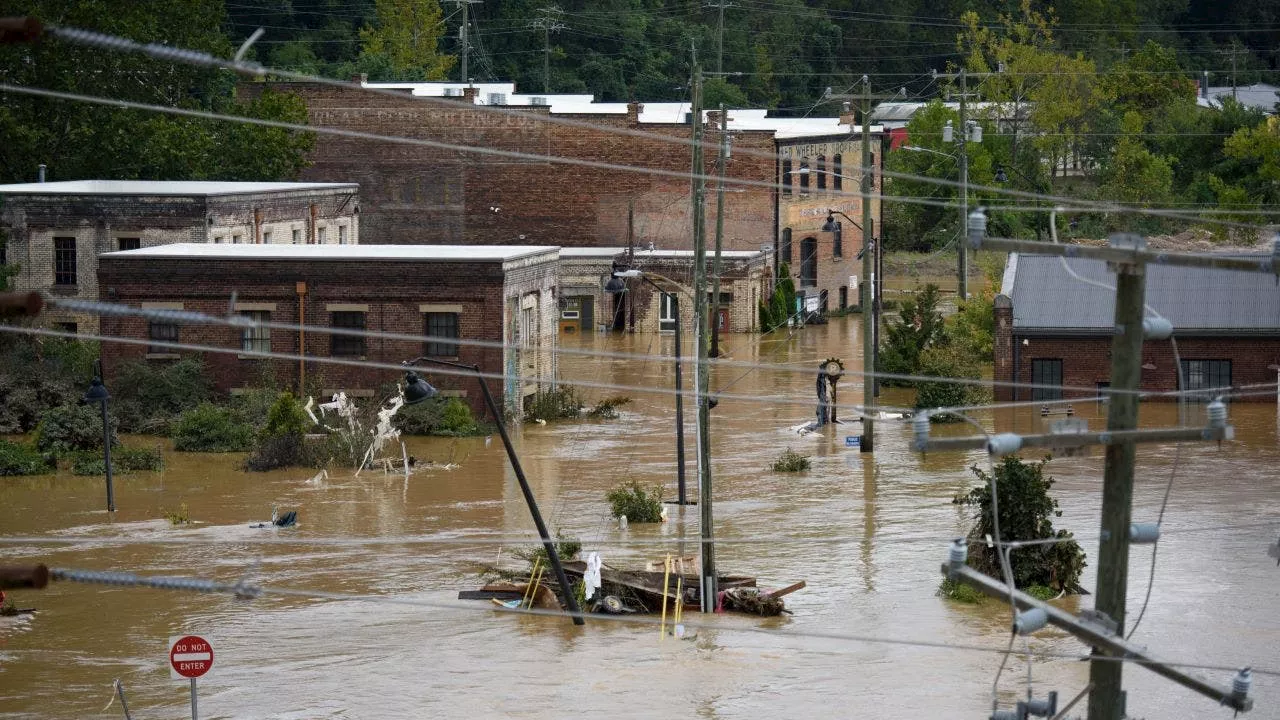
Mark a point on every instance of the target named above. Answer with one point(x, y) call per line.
point(190, 656)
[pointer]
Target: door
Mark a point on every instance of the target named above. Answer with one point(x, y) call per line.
point(722, 320)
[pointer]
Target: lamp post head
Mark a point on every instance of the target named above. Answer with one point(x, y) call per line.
point(948, 133)
point(831, 225)
point(615, 286)
point(416, 389)
point(97, 392)
point(1001, 177)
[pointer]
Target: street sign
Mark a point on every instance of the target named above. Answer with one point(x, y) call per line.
point(190, 656)
point(852, 440)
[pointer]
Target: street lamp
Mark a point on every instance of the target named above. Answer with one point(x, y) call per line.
point(417, 390)
point(617, 284)
point(972, 133)
point(877, 288)
point(98, 394)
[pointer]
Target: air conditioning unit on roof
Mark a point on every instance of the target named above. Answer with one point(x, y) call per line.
point(536, 100)
point(497, 98)
point(452, 92)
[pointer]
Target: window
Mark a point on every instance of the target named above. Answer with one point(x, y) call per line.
point(297, 237)
point(320, 235)
point(235, 239)
point(67, 327)
point(256, 339)
point(667, 309)
point(837, 172)
point(347, 345)
point(1046, 372)
point(804, 175)
point(1208, 375)
point(809, 262)
point(822, 172)
point(837, 241)
point(161, 332)
point(219, 239)
point(441, 325)
point(266, 236)
point(342, 234)
point(784, 252)
point(844, 296)
point(64, 261)
point(786, 177)
point(129, 243)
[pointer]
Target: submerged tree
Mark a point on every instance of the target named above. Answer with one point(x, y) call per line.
point(1026, 513)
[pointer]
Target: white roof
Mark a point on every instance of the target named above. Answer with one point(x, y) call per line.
point(1260, 96)
point(608, 252)
point(162, 187)
point(425, 253)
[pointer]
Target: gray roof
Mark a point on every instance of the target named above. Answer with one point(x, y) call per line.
point(1198, 301)
point(255, 253)
point(200, 188)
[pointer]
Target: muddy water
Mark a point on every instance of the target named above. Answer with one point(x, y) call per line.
point(867, 532)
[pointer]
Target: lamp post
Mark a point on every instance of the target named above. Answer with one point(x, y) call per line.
point(98, 394)
point(870, 325)
point(418, 390)
point(617, 285)
point(972, 132)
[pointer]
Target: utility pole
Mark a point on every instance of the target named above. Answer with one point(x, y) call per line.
point(1106, 700)
point(963, 269)
point(548, 23)
point(715, 271)
point(720, 6)
point(700, 369)
point(1234, 51)
point(465, 6)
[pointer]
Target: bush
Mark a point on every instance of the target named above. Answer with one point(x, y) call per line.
point(918, 326)
point(1026, 513)
point(209, 428)
point(148, 397)
point(251, 407)
point(37, 374)
point(791, 461)
point(637, 504)
point(123, 460)
point(22, 459)
point(438, 416)
point(947, 361)
point(72, 428)
point(607, 408)
point(285, 417)
point(273, 453)
point(960, 592)
point(281, 442)
point(559, 404)
point(181, 516)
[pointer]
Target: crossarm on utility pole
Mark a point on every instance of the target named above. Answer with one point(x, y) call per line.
point(1097, 636)
point(1078, 440)
point(1265, 264)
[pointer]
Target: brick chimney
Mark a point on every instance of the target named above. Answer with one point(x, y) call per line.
point(1003, 347)
point(469, 95)
point(633, 112)
point(846, 115)
point(360, 78)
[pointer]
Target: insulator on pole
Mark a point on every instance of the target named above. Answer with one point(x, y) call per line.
point(958, 553)
point(1007, 715)
point(977, 228)
point(1241, 684)
point(1004, 444)
point(1217, 412)
point(1154, 328)
point(1029, 621)
point(1047, 707)
point(1144, 533)
point(920, 425)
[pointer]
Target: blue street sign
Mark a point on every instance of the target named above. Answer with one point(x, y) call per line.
point(853, 441)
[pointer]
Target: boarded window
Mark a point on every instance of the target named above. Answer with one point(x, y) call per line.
point(342, 345)
point(441, 325)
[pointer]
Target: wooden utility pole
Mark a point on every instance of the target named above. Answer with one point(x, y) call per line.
point(548, 24)
point(963, 269)
point(465, 6)
point(720, 7)
point(715, 270)
point(700, 369)
point(1106, 700)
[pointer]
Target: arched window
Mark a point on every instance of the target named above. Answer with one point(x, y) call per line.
point(822, 172)
point(809, 262)
point(804, 174)
point(786, 176)
point(784, 251)
point(837, 170)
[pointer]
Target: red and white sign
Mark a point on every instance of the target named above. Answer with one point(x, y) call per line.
point(190, 656)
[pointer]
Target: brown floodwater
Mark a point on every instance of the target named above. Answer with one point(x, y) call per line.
point(867, 532)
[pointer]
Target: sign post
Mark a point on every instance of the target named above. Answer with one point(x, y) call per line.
point(190, 656)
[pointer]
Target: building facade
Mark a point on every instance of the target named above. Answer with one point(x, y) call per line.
point(820, 178)
point(436, 293)
point(587, 306)
point(56, 231)
point(1055, 331)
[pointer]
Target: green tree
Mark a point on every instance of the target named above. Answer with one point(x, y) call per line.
point(408, 34)
point(1134, 174)
point(918, 327)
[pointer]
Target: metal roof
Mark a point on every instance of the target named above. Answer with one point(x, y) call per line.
point(423, 253)
point(643, 253)
point(1196, 300)
point(163, 187)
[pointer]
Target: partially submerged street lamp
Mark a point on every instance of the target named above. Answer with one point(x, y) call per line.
point(98, 394)
point(417, 390)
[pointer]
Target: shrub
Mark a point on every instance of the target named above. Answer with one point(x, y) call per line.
point(273, 453)
point(559, 404)
point(566, 548)
point(438, 416)
point(960, 592)
point(123, 460)
point(607, 408)
point(209, 428)
point(37, 374)
point(1026, 513)
point(181, 516)
point(791, 461)
point(251, 407)
point(947, 361)
point(149, 397)
point(68, 429)
point(918, 326)
point(285, 417)
point(636, 503)
point(22, 459)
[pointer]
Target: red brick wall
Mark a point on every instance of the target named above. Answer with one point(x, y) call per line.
point(413, 194)
point(392, 290)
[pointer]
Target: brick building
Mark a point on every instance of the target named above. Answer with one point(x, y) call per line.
point(1052, 329)
point(585, 306)
point(488, 293)
point(818, 168)
point(418, 194)
point(56, 231)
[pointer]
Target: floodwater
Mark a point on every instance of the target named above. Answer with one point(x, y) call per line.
point(867, 531)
